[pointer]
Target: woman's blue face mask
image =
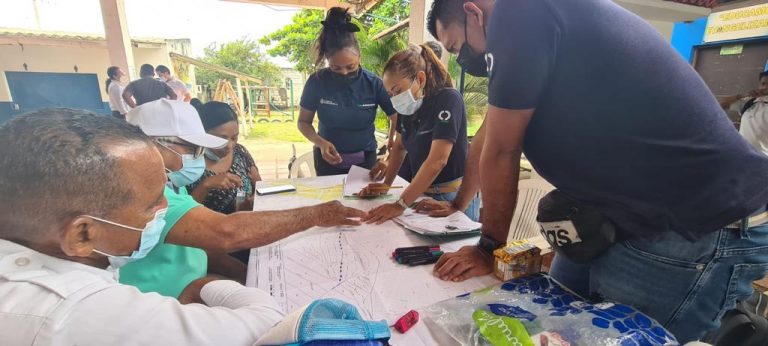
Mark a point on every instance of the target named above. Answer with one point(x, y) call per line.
point(192, 168)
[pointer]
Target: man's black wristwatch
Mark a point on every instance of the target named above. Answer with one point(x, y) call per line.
point(488, 245)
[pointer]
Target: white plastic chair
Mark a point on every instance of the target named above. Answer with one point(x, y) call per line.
point(524, 225)
point(308, 160)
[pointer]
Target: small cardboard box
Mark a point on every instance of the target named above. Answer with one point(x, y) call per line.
point(517, 259)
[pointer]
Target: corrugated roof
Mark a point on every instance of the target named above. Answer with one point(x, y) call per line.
point(68, 36)
point(700, 3)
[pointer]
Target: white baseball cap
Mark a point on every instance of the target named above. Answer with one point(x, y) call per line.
point(173, 118)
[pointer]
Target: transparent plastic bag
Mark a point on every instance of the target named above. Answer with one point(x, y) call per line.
point(550, 314)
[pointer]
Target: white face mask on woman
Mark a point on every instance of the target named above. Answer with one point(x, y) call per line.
point(405, 103)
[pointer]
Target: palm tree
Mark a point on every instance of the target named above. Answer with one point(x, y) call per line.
point(376, 53)
point(475, 90)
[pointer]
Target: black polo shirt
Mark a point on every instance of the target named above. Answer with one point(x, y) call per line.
point(346, 111)
point(441, 116)
point(148, 89)
point(622, 122)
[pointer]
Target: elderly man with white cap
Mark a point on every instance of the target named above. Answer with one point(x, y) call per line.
point(191, 229)
point(77, 189)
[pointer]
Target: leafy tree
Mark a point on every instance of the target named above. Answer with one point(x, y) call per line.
point(295, 40)
point(386, 14)
point(243, 55)
point(376, 53)
point(475, 89)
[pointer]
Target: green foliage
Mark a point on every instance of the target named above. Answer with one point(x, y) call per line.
point(385, 15)
point(376, 53)
point(381, 122)
point(294, 41)
point(475, 90)
point(242, 55)
point(453, 68)
point(476, 94)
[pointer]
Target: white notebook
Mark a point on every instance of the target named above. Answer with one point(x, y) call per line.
point(454, 224)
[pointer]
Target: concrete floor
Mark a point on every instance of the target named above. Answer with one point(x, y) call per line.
point(272, 157)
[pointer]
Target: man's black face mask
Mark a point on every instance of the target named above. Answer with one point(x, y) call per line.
point(471, 62)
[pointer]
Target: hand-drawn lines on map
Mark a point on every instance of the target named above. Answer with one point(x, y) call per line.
point(324, 265)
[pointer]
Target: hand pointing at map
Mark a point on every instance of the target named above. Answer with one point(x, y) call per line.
point(334, 213)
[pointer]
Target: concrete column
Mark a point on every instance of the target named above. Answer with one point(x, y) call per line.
point(417, 28)
point(118, 39)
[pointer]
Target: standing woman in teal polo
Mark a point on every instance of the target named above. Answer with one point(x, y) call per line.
point(345, 98)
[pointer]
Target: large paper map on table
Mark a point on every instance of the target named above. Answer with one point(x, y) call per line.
point(350, 263)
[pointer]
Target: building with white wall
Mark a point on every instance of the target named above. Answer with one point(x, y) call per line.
point(28, 57)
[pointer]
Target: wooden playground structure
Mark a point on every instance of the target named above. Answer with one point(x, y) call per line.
point(252, 101)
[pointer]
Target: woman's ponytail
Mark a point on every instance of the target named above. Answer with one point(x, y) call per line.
point(437, 75)
point(112, 72)
point(410, 62)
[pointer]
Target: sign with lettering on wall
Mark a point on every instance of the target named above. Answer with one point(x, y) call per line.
point(737, 24)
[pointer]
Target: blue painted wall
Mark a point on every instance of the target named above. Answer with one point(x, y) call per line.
point(687, 35)
point(7, 112)
point(35, 90)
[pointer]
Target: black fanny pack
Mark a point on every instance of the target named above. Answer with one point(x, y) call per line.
point(573, 229)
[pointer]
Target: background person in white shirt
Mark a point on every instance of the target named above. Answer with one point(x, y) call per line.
point(754, 114)
point(115, 92)
point(178, 86)
point(81, 189)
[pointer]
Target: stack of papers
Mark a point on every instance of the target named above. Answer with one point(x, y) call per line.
point(356, 180)
point(457, 223)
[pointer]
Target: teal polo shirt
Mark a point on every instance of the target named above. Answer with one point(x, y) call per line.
point(168, 268)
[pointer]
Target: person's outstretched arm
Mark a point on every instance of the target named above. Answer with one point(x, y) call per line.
point(499, 175)
point(206, 229)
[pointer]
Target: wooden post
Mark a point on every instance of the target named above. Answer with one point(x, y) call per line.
point(247, 104)
point(269, 108)
point(238, 95)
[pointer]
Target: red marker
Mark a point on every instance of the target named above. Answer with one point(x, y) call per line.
point(407, 321)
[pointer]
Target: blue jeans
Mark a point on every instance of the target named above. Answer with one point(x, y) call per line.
point(473, 210)
point(686, 286)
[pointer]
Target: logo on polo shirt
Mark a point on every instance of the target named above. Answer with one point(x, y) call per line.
point(444, 116)
point(328, 102)
point(489, 63)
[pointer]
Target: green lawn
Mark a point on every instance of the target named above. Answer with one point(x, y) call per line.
point(287, 132)
point(276, 132)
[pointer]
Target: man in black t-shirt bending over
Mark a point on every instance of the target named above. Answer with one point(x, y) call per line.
point(615, 119)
